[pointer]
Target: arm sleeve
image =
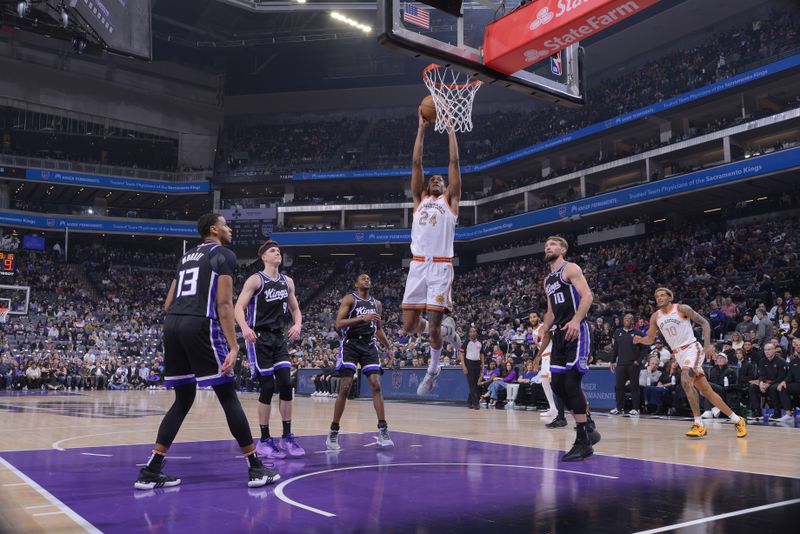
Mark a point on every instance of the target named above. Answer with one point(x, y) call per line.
point(223, 261)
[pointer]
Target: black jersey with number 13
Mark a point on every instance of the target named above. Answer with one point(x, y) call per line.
point(197, 279)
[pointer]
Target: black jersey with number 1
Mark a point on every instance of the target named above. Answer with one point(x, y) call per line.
point(197, 279)
point(360, 308)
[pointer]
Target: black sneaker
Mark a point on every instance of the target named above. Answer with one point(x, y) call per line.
point(148, 480)
point(580, 451)
point(591, 429)
point(558, 422)
point(261, 476)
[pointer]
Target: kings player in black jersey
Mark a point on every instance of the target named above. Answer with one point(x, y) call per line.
point(359, 323)
point(200, 348)
point(568, 300)
point(264, 307)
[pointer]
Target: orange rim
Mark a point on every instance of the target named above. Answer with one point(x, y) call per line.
point(434, 66)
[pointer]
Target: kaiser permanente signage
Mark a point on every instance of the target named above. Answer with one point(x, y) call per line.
point(694, 181)
point(114, 182)
point(786, 64)
point(96, 225)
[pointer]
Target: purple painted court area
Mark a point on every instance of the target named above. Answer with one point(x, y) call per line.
point(426, 484)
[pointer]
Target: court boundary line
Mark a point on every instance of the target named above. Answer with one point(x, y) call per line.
point(709, 519)
point(72, 514)
point(278, 491)
point(608, 455)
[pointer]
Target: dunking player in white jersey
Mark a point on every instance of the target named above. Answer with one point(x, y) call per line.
point(675, 323)
point(430, 275)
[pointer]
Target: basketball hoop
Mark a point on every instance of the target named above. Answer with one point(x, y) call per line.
point(453, 93)
point(3, 314)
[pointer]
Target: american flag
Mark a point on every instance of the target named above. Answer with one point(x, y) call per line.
point(416, 15)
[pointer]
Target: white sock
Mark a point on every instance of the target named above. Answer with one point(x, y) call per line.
point(548, 393)
point(734, 418)
point(698, 421)
point(433, 365)
point(424, 323)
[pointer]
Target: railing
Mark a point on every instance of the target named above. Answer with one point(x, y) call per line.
point(104, 170)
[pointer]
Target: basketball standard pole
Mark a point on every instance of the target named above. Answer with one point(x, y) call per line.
point(66, 244)
point(184, 248)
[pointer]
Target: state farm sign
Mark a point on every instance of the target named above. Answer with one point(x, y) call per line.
point(542, 28)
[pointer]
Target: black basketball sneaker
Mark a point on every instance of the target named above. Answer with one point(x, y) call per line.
point(148, 480)
point(261, 476)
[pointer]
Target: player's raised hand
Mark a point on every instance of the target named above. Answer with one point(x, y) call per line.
point(230, 360)
point(249, 335)
point(571, 330)
point(294, 331)
point(422, 122)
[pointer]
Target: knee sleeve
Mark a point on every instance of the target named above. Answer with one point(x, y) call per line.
point(283, 378)
point(234, 414)
point(267, 389)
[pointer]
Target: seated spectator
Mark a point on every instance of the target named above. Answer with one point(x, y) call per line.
point(530, 388)
point(649, 378)
point(721, 378)
point(119, 380)
point(500, 383)
point(771, 372)
point(487, 377)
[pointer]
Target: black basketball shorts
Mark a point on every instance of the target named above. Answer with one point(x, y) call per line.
point(268, 353)
point(194, 349)
point(358, 351)
point(567, 355)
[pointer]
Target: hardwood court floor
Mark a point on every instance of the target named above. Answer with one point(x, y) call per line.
point(98, 437)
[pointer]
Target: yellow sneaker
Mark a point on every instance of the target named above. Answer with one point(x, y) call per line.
point(697, 431)
point(741, 428)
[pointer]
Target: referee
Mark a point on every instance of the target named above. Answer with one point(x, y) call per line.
point(472, 364)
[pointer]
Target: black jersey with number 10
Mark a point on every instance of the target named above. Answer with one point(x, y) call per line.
point(197, 279)
point(564, 298)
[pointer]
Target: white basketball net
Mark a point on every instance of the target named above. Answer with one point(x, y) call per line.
point(453, 93)
point(4, 314)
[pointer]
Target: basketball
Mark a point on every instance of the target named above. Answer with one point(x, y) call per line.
point(427, 109)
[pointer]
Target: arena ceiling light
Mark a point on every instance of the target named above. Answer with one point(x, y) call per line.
point(347, 20)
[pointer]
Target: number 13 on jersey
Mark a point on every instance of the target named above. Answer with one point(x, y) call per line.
point(187, 282)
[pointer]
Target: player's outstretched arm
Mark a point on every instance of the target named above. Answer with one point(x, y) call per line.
point(453, 173)
point(417, 173)
point(170, 295)
point(250, 287)
point(294, 309)
point(574, 276)
point(650, 338)
point(696, 318)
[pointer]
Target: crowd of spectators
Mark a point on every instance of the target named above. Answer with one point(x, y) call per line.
point(723, 54)
point(95, 323)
